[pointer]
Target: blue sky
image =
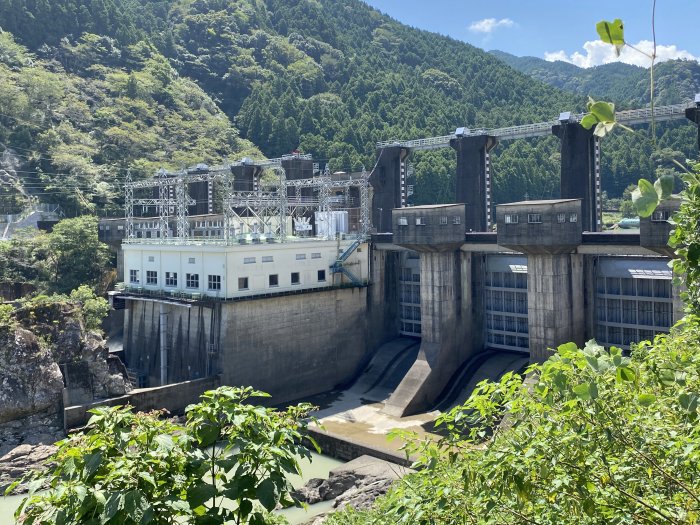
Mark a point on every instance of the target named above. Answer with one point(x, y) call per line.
point(556, 29)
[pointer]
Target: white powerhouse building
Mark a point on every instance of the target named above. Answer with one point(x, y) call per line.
point(249, 249)
point(239, 270)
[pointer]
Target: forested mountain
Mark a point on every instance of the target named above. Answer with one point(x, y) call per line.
point(75, 121)
point(626, 85)
point(331, 77)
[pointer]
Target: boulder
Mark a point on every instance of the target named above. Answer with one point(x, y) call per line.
point(31, 380)
point(356, 483)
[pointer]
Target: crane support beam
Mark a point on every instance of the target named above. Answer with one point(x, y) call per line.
point(632, 117)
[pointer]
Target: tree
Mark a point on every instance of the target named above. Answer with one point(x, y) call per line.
point(141, 469)
point(93, 308)
point(76, 256)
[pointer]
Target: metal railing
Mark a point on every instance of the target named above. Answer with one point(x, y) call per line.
point(629, 117)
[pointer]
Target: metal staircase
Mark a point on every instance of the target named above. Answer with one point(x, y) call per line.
point(339, 267)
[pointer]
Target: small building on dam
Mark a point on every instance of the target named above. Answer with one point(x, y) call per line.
point(291, 279)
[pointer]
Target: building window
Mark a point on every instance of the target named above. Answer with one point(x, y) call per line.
point(170, 278)
point(249, 260)
point(295, 278)
point(242, 283)
point(561, 217)
point(321, 275)
point(421, 221)
point(190, 260)
point(134, 276)
point(151, 277)
point(403, 221)
point(192, 280)
point(660, 215)
point(534, 218)
point(456, 220)
point(214, 282)
point(151, 258)
point(268, 258)
point(443, 220)
point(511, 218)
point(273, 280)
point(301, 256)
point(573, 217)
point(316, 255)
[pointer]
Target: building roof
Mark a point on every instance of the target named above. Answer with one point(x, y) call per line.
point(546, 201)
point(429, 206)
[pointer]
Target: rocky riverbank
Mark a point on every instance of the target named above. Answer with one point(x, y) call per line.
point(41, 348)
point(356, 484)
point(25, 444)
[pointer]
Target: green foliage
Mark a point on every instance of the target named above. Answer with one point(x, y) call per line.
point(612, 33)
point(6, 319)
point(76, 255)
point(94, 308)
point(288, 75)
point(628, 209)
point(601, 115)
point(76, 128)
point(592, 436)
point(260, 446)
point(290, 78)
point(57, 262)
point(685, 238)
point(227, 462)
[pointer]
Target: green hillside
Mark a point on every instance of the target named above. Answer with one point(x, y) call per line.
point(74, 123)
point(626, 85)
point(331, 77)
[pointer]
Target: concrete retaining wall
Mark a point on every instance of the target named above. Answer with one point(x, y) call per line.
point(295, 346)
point(346, 449)
point(173, 398)
point(191, 331)
point(290, 346)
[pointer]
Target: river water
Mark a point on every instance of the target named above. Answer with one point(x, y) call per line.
point(318, 468)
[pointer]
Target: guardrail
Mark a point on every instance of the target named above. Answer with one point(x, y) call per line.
point(629, 117)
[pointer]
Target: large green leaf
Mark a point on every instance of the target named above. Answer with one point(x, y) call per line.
point(207, 433)
point(135, 505)
point(199, 494)
point(601, 115)
point(583, 391)
point(603, 111)
point(589, 120)
point(164, 441)
point(114, 504)
point(245, 508)
point(664, 186)
point(626, 374)
point(645, 198)
point(612, 33)
point(267, 494)
point(646, 399)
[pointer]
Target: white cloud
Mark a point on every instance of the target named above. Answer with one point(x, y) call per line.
point(488, 25)
point(597, 52)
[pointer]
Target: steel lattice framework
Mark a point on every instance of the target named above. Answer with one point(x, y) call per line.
point(269, 205)
point(630, 117)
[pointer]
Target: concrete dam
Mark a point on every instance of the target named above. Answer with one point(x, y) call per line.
point(287, 283)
